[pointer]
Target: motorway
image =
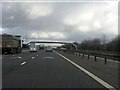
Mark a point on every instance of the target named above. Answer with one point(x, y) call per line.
point(43, 70)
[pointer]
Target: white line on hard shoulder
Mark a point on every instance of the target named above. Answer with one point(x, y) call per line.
point(105, 84)
point(23, 63)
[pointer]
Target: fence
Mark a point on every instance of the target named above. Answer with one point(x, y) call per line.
point(106, 56)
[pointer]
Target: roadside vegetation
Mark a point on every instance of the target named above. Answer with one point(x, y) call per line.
point(98, 45)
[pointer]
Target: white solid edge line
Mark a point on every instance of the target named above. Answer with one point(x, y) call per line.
point(23, 63)
point(89, 73)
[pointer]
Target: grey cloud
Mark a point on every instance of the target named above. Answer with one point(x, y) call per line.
point(59, 0)
point(14, 10)
point(0, 14)
point(16, 20)
point(119, 17)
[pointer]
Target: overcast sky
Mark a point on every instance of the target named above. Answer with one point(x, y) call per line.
point(72, 21)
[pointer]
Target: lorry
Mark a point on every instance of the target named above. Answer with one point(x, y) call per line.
point(10, 43)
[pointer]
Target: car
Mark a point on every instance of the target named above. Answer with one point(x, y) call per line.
point(48, 49)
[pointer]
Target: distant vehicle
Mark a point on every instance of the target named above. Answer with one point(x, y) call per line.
point(48, 49)
point(10, 43)
point(63, 48)
point(33, 47)
point(41, 47)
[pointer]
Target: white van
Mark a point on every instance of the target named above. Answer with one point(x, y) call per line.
point(48, 49)
point(33, 47)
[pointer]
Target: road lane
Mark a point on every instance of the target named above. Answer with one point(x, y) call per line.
point(51, 72)
point(11, 62)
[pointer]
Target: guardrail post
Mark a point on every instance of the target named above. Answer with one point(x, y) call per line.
point(83, 55)
point(68, 52)
point(105, 60)
point(95, 59)
point(79, 53)
point(72, 52)
point(75, 53)
point(88, 56)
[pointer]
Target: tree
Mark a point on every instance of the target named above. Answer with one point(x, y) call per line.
point(93, 44)
point(103, 42)
point(114, 44)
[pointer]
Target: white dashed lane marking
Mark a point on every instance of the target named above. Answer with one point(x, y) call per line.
point(19, 57)
point(49, 57)
point(15, 57)
point(33, 57)
point(23, 63)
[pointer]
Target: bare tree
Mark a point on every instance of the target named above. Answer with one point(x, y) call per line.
point(103, 42)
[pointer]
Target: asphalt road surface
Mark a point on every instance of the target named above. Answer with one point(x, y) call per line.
point(43, 70)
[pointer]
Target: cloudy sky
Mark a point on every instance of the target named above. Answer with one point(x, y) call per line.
point(68, 21)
